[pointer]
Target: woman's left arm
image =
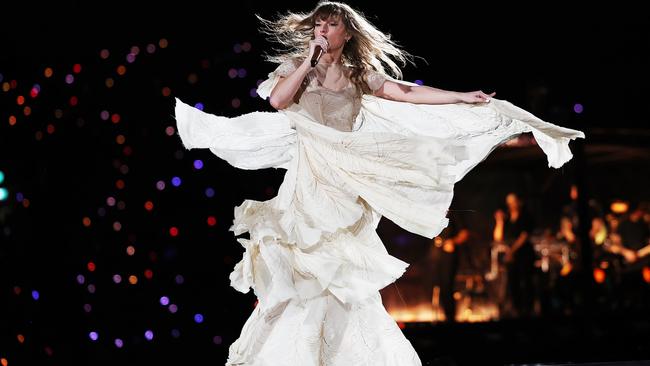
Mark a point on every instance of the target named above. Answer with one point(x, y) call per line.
point(420, 94)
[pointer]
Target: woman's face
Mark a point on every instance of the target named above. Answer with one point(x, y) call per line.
point(333, 29)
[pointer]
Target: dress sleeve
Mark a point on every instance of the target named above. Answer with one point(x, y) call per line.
point(283, 70)
point(286, 68)
point(375, 80)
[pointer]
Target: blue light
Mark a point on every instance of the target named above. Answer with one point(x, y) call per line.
point(176, 181)
point(578, 108)
point(198, 318)
point(35, 295)
point(419, 82)
point(209, 192)
point(199, 106)
point(198, 164)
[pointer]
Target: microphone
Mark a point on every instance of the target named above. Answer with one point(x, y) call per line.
point(318, 52)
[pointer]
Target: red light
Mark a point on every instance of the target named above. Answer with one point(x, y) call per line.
point(212, 221)
point(91, 266)
point(173, 231)
point(76, 68)
point(148, 205)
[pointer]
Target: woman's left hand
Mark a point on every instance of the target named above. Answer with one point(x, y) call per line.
point(476, 97)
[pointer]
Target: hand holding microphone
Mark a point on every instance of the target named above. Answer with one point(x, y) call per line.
point(319, 46)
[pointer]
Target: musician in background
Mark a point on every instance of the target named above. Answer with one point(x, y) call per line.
point(634, 237)
point(514, 228)
point(443, 263)
point(567, 281)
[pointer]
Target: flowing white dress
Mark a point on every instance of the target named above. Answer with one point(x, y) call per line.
point(313, 257)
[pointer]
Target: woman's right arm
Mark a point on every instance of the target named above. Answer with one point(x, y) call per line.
point(287, 87)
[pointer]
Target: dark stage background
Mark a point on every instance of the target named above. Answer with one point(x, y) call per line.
point(115, 246)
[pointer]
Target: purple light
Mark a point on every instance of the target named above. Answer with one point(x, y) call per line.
point(130, 58)
point(104, 115)
point(198, 318)
point(419, 82)
point(217, 340)
point(81, 279)
point(69, 79)
point(176, 333)
point(35, 295)
point(88, 308)
point(93, 336)
point(119, 343)
point(173, 308)
point(164, 301)
point(199, 106)
point(237, 48)
point(151, 48)
point(19, 197)
point(148, 335)
point(91, 288)
point(160, 185)
point(253, 93)
point(117, 278)
point(209, 192)
point(110, 201)
point(179, 279)
point(241, 73)
point(198, 164)
point(578, 108)
point(176, 181)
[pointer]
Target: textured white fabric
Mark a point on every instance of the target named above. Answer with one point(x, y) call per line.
point(313, 257)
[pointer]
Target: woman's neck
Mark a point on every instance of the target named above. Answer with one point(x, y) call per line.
point(330, 58)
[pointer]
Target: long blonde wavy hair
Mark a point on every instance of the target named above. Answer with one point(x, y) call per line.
point(368, 49)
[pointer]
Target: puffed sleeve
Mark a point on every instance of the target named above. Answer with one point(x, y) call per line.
point(283, 70)
point(374, 80)
point(286, 68)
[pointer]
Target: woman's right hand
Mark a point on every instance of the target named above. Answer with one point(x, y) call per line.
point(318, 41)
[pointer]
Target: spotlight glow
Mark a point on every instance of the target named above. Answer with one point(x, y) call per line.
point(93, 336)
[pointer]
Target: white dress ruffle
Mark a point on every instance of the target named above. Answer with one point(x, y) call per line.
point(313, 256)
